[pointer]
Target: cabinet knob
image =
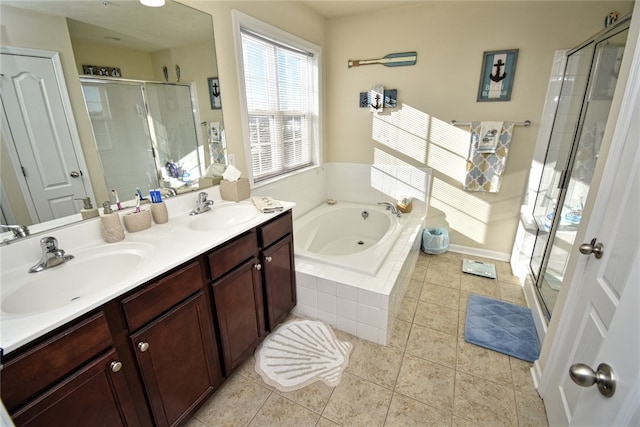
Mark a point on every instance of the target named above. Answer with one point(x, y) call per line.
point(143, 346)
point(258, 267)
point(116, 365)
point(268, 259)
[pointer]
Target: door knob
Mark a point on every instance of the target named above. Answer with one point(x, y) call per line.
point(75, 174)
point(115, 365)
point(592, 248)
point(584, 376)
point(269, 259)
point(143, 346)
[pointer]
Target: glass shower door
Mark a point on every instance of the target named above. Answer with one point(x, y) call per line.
point(585, 101)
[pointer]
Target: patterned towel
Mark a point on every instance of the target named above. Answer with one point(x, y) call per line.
point(484, 170)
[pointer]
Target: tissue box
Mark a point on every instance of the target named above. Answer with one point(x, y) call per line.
point(209, 181)
point(236, 190)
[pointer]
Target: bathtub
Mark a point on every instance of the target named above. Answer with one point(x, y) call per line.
point(352, 272)
point(353, 236)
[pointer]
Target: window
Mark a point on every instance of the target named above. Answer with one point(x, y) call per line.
point(280, 80)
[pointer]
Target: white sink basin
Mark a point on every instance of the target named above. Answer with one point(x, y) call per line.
point(221, 217)
point(76, 279)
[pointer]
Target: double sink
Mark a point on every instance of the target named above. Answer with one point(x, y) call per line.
point(101, 268)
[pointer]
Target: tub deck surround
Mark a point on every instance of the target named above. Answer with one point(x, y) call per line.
point(358, 303)
point(172, 244)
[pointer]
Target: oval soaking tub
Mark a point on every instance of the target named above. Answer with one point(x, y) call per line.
point(353, 236)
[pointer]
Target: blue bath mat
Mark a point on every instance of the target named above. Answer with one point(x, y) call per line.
point(501, 326)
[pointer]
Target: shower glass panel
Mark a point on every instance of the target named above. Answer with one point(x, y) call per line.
point(583, 108)
point(174, 130)
point(146, 134)
point(119, 121)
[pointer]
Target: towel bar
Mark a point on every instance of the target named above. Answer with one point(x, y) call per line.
point(526, 123)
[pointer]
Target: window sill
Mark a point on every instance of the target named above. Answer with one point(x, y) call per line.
point(273, 180)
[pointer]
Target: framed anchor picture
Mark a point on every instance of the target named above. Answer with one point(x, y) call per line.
point(497, 74)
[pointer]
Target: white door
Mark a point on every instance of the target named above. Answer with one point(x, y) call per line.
point(601, 319)
point(42, 136)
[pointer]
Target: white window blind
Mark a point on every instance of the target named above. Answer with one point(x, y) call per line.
point(281, 104)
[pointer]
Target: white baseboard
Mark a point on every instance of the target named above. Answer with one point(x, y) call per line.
point(498, 256)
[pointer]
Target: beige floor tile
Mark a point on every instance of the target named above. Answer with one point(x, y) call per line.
point(484, 402)
point(504, 273)
point(399, 334)
point(313, 396)
point(414, 289)
point(462, 320)
point(324, 422)
point(375, 363)
point(440, 295)
point(432, 345)
point(464, 300)
point(419, 272)
point(358, 402)
point(462, 422)
point(447, 261)
point(194, 422)
point(479, 285)
point(483, 362)
point(521, 374)
point(437, 317)
point(423, 260)
point(407, 309)
point(236, 403)
point(443, 277)
point(405, 412)
point(278, 411)
point(512, 293)
point(248, 370)
point(426, 382)
point(531, 412)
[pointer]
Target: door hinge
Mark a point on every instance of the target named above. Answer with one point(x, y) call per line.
point(24, 172)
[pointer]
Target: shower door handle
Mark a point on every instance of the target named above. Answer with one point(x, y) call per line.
point(592, 248)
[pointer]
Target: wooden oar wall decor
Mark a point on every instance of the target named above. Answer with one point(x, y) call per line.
point(402, 59)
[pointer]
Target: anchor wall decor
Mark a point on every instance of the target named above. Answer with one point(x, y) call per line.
point(497, 75)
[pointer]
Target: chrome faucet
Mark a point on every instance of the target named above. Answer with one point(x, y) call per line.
point(202, 204)
point(391, 207)
point(51, 255)
point(17, 230)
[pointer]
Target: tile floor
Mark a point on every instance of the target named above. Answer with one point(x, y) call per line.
point(427, 376)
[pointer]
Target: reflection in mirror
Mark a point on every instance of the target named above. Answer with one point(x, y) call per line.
point(141, 42)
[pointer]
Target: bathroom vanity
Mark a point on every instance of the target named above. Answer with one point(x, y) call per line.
point(151, 354)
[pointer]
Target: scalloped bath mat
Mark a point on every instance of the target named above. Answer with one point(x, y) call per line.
point(501, 326)
point(300, 352)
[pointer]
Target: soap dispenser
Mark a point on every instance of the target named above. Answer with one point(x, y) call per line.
point(88, 211)
point(112, 230)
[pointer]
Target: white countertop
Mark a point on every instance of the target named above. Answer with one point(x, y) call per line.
point(169, 245)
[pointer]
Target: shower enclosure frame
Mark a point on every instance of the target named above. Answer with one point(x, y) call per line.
point(548, 228)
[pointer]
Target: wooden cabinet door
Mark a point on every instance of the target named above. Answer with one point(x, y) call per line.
point(279, 280)
point(176, 356)
point(240, 309)
point(95, 395)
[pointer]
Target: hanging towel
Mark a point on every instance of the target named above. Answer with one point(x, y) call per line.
point(484, 169)
point(489, 135)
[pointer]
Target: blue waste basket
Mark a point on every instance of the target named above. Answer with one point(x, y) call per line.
point(435, 240)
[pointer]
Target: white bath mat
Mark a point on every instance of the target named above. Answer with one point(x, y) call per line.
point(301, 352)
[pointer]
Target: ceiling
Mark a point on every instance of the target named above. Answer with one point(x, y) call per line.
point(335, 9)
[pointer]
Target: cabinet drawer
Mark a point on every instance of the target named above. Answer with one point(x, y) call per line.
point(31, 372)
point(231, 255)
point(275, 230)
point(160, 296)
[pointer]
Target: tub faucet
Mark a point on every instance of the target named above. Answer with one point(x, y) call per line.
point(51, 255)
point(391, 207)
point(202, 204)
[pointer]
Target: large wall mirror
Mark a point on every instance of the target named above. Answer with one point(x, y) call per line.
point(144, 93)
